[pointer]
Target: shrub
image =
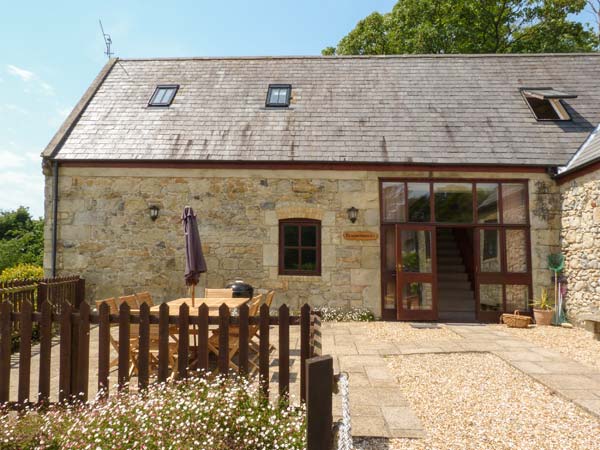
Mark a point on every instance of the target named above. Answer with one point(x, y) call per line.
point(216, 414)
point(341, 314)
point(22, 272)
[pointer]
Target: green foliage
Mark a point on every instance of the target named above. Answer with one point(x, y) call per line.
point(471, 26)
point(21, 239)
point(199, 413)
point(22, 272)
point(543, 302)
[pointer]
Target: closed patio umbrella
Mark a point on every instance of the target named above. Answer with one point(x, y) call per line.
point(194, 261)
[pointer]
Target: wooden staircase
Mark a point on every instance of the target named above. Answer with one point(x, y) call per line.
point(456, 299)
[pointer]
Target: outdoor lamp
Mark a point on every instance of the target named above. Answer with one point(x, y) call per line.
point(352, 214)
point(154, 212)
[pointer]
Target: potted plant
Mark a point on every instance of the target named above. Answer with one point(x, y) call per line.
point(543, 310)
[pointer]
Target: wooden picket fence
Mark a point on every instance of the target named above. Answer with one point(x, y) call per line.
point(58, 290)
point(74, 351)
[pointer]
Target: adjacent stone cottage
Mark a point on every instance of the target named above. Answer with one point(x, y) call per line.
point(421, 187)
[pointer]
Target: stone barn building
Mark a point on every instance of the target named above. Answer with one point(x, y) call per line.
point(421, 187)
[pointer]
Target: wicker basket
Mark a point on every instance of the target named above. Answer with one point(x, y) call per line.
point(515, 320)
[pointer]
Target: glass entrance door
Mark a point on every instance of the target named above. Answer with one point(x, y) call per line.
point(416, 287)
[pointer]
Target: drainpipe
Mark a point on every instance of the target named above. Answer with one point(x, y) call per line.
point(54, 214)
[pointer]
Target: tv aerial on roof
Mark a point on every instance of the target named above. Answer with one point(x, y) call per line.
point(107, 41)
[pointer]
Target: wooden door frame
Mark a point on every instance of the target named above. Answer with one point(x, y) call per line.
point(403, 277)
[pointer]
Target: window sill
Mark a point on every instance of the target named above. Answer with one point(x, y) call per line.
point(299, 277)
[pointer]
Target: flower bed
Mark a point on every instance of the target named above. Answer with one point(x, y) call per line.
point(198, 413)
point(339, 314)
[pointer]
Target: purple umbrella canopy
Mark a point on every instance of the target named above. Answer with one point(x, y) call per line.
point(194, 261)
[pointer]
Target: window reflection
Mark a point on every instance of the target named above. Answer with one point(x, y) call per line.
point(418, 202)
point(417, 296)
point(487, 202)
point(393, 202)
point(514, 203)
point(416, 251)
point(453, 202)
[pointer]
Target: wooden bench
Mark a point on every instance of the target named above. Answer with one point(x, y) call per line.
point(592, 323)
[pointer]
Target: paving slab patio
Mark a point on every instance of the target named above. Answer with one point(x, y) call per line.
point(379, 410)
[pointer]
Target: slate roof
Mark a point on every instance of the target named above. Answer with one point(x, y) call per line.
point(401, 109)
point(588, 153)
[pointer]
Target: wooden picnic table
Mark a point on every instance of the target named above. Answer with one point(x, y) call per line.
point(212, 303)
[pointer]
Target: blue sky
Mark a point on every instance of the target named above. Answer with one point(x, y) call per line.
point(50, 51)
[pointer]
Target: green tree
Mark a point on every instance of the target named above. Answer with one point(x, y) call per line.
point(21, 238)
point(471, 26)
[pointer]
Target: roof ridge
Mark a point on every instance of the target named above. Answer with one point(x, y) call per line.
point(402, 56)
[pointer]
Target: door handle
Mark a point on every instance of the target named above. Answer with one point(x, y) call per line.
point(399, 267)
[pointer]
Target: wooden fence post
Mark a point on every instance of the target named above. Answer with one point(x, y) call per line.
point(64, 383)
point(5, 344)
point(319, 410)
point(304, 347)
point(79, 292)
point(83, 362)
point(103, 348)
point(42, 295)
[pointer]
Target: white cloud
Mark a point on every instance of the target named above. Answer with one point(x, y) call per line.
point(9, 107)
point(28, 76)
point(22, 181)
point(22, 189)
point(23, 74)
point(11, 160)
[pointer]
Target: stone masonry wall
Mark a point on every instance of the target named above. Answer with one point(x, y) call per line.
point(580, 238)
point(106, 235)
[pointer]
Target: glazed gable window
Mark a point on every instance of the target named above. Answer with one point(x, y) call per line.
point(299, 247)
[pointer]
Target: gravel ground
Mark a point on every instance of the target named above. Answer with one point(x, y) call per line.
point(492, 407)
point(404, 333)
point(574, 343)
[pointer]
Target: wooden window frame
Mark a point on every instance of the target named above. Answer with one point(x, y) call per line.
point(503, 276)
point(282, 247)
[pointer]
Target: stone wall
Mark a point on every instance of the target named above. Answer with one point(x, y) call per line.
point(580, 238)
point(105, 232)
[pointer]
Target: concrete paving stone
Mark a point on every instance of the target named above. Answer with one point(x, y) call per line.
point(520, 355)
point(592, 405)
point(529, 367)
point(362, 350)
point(361, 360)
point(380, 376)
point(579, 394)
point(565, 367)
point(481, 346)
point(401, 417)
point(358, 379)
point(371, 426)
point(514, 343)
point(365, 410)
point(377, 396)
point(408, 434)
point(560, 382)
point(345, 350)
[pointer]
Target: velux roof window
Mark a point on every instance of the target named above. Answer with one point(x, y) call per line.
point(279, 95)
point(163, 95)
point(545, 103)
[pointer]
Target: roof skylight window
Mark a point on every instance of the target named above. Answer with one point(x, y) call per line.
point(163, 95)
point(279, 95)
point(545, 103)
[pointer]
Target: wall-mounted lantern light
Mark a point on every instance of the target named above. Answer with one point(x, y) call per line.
point(154, 212)
point(352, 214)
